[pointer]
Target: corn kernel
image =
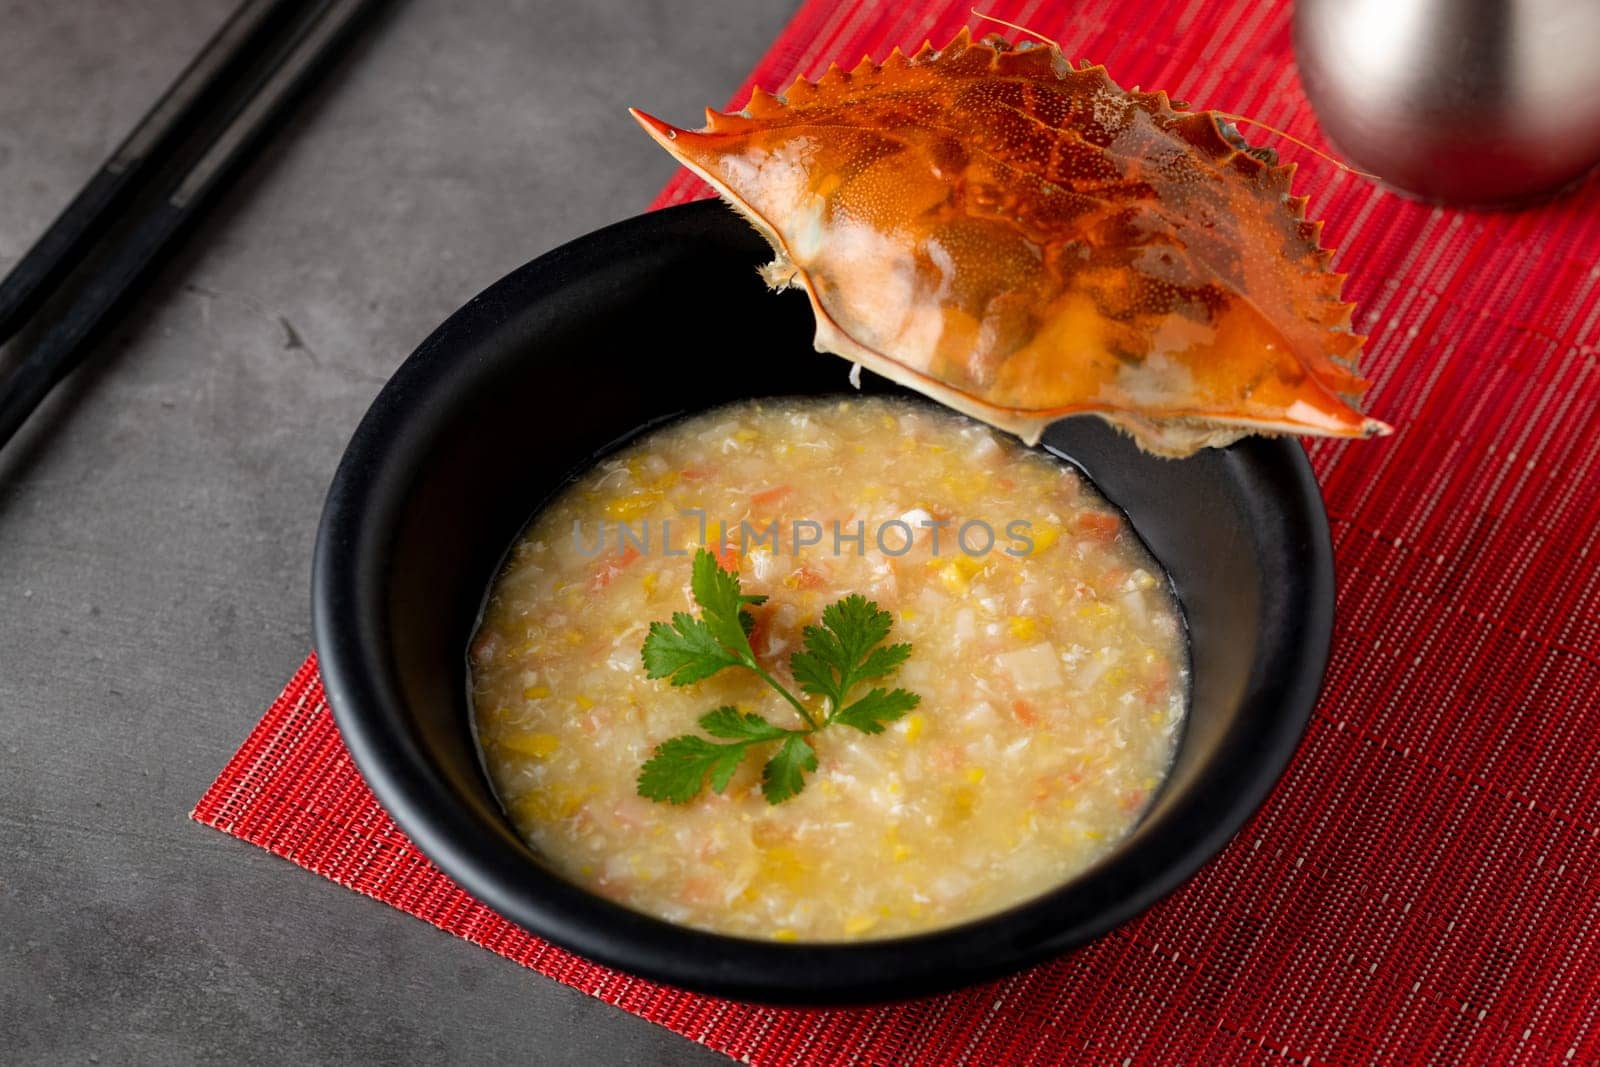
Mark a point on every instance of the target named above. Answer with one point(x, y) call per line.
point(648, 583)
point(536, 692)
point(915, 724)
point(539, 746)
point(528, 807)
point(631, 507)
point(859, 924)
point(974, 775)
point(584, 703)
point(782, 866)
point(547, 805)
point(901, 853)
point(1043, 537)
point(1024, 628)
point(953, 579)
point(962, 801)
point(785, 934)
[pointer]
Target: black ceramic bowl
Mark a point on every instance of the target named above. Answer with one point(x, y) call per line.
point(663, 315)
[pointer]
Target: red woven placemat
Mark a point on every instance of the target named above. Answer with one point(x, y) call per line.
point(1424, 880)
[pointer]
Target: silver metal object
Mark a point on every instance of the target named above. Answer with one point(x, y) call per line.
point(1467, 101)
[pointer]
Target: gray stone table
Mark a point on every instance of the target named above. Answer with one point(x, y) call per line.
point(156, 516)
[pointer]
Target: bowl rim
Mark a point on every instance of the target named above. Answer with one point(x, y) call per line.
point(348, 634)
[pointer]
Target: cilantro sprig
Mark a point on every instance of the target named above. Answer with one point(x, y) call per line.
point(838, 656)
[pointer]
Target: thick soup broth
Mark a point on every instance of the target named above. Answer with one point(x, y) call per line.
point(1047, 649)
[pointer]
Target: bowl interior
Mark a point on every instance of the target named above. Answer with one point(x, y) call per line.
point(662, 316)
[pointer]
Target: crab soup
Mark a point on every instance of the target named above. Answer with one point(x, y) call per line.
point(1047, 659)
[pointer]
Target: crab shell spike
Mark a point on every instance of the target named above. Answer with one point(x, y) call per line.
point(1023, 240)
point(763, 105)
point(800, 92)
point(1025, 61)
point(832, 78)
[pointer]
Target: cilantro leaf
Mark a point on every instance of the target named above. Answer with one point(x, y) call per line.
point(678, 770)
point(874, 711)
point(858, 624)
point(722, 604)
point(684, 651)
point(784, 774)
point(730, 722)
point(881, 661)
point(844, 651)
point(840, 653)
point(813, 670)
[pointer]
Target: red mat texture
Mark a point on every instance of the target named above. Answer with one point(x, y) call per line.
point(1423, 883)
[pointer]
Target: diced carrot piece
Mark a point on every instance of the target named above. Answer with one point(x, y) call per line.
point(694, 474)
point(728, 556)
point(769, 496)
point(700, 890)
point(1024, 712)
point(806, 578)
point(608, 569)
point(1046, 786)
point(761, 632)
point(1098, 525)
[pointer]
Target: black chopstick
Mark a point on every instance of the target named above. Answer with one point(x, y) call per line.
point(157, 135)
point(234, 119)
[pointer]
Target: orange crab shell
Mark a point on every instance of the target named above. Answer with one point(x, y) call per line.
point(1022, 240)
